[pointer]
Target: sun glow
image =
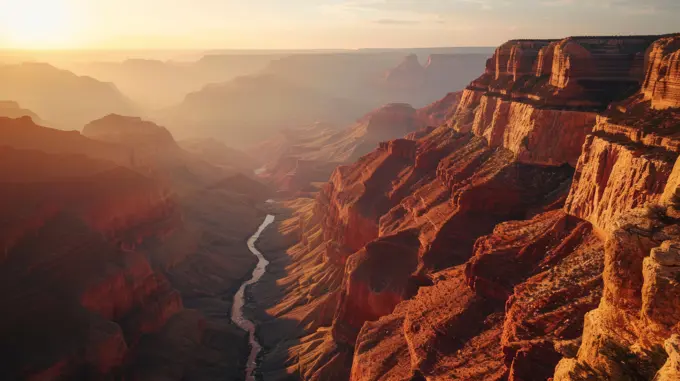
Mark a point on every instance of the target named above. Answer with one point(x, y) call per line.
point(32, 24)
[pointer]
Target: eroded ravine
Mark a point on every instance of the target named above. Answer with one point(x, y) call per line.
point(237, 315)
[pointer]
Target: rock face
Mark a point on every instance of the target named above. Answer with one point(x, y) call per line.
point(662, 84)
point(529, 132)
point(612, 176)
point(624, 337)
point(506, 240)
point(99, 256)
point(574, 73)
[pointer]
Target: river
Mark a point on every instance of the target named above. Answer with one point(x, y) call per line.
point(239, 300)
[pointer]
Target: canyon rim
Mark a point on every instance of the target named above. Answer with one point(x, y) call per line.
point(317, 191)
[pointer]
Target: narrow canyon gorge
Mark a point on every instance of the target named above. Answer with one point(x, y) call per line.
point(526, 230)
point(239, 300)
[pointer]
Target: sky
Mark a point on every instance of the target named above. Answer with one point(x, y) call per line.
point(318, 24)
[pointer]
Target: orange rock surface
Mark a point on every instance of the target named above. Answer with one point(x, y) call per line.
point(662, 83)
point(501, 245)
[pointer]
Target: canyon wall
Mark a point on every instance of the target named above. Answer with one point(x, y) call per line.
point(662, 84)
point(298, 158)
point(476, 250)
point(103, 252)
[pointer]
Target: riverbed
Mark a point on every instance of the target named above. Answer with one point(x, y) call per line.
point(237, 315)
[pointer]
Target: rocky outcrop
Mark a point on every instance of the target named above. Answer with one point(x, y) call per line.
point(501, 244)
point(517, 58)
point(624, 165)
point(662, 82)
point(604, 60)
point(624, 337)
point(445, 332)
point(404, 148)
point(118, 297)
point(530, 132)
point(517, 249)
point(437, 185)
point(585, 73)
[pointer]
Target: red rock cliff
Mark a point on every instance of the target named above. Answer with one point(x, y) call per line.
point(662, 83)
point(472, 236)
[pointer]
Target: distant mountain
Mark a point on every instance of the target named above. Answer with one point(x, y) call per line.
point(300, 90)
point(23, 133)
point(129, 131)
point(249, 109)
point(218, 153)
point(11, 109)
point(422, 84)
point(381, 77)
point(297, 158)
point(351, 75)
point(156, 84)
point(153, 151)
point(65, 99)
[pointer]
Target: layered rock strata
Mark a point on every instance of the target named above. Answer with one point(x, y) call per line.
point(436, 250)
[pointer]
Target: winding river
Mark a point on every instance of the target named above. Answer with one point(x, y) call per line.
point(239, 299)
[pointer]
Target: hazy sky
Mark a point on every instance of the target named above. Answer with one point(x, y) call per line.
point(205, 24)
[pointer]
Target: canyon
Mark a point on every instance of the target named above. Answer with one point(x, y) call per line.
point(123, 249)
point(121, 253)
point(66, 100)
point(301, 90)
point(526, 227)
point(297, 159)
point(527, 231)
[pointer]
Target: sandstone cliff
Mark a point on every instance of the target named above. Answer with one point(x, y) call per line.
point(476, 250)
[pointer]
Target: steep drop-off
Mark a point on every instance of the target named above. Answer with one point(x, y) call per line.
point(110, 271)
point(297, 159)
point(476, 250)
